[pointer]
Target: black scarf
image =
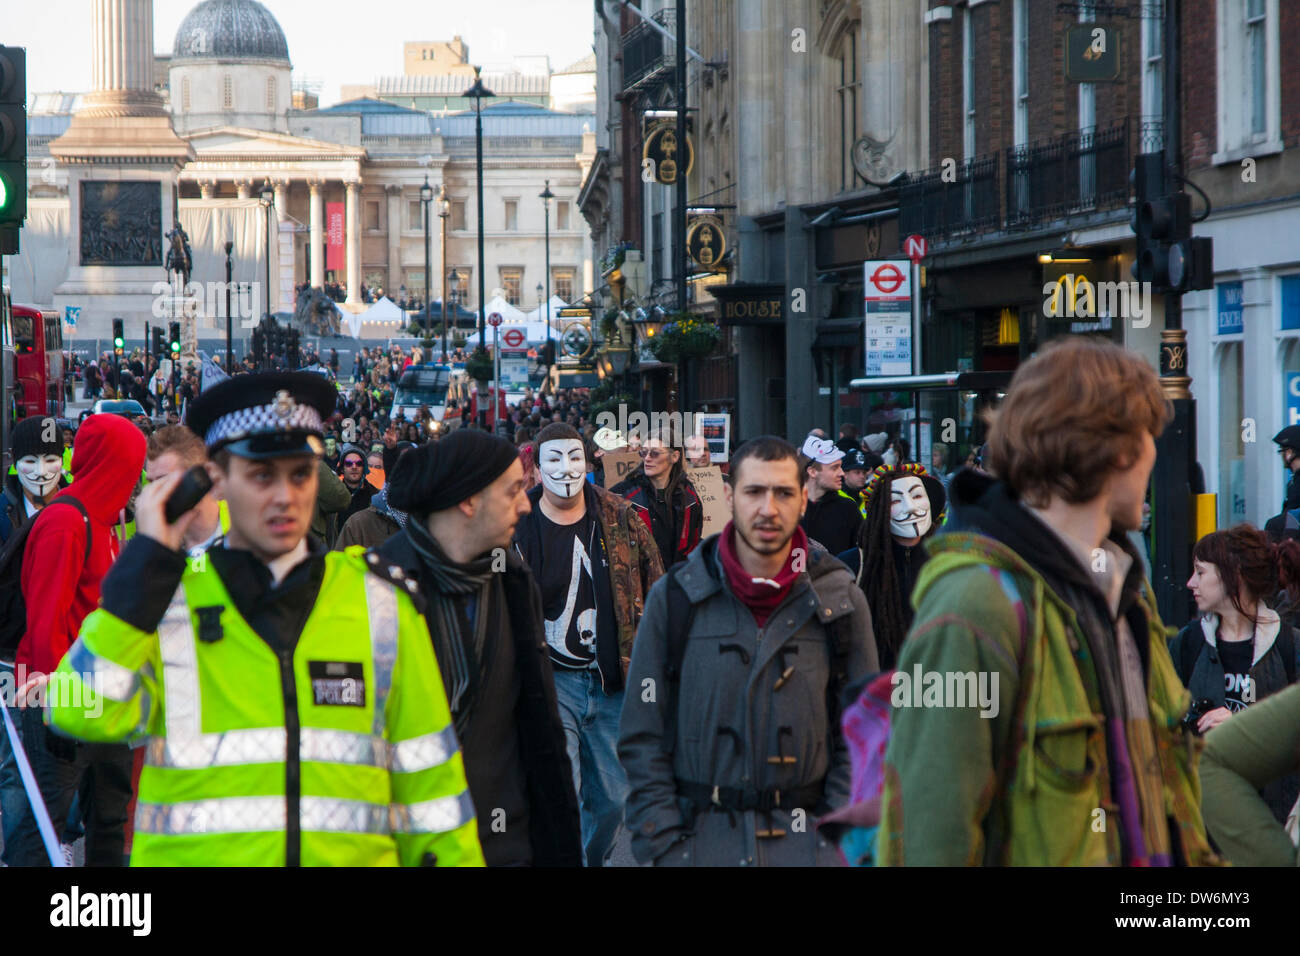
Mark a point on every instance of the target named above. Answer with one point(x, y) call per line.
point(454, 586)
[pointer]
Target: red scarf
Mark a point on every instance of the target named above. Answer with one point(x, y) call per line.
point(758, 594)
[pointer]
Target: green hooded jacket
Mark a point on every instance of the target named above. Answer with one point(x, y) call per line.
point(1029, 784)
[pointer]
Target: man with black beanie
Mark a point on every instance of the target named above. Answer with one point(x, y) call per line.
point(464, 496)
point(376, 524)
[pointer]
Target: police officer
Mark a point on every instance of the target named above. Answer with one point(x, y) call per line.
point(1288, 442)
point(293, 709)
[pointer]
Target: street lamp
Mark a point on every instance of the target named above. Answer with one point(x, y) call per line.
point(426, 197)
point(477, 92)
point(267, 200)
point(546, 196)
point(230, 355)
point(444, 212)
point(539, 297)
point(454, 279)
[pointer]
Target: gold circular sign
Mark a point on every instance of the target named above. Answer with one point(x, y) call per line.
point(706, 242)
point(662, 148)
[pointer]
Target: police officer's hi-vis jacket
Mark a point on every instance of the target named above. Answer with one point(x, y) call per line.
point(338, 750)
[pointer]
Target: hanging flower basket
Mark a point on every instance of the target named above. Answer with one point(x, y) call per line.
point(685, 336)
point(479, 365)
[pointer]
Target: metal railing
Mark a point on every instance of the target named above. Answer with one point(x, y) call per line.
point(947, 203)
point(1068, 175)
point(646, 51)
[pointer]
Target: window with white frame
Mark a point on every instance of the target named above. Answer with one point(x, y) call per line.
point(1087, 127)
point(1249, 75)
point(512, 280)
point(968, 84)
point(847, 91)
point(1153, 84)
point(562, 283)
point(1020, 27)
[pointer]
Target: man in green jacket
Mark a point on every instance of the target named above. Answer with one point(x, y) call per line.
point(1036, 712)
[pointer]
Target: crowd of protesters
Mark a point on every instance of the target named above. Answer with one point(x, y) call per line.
point(842, 569)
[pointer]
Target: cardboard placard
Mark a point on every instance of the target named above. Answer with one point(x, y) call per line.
point(618, 465)
point(708, 485)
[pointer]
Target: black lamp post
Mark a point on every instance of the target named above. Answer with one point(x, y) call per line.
point(426, 197)
point(267, 199)
point(444, 212)
point(454, 279)
point(230, 355)
point(546, 196)
point(477, 92)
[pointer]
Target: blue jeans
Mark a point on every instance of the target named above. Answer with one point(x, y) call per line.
point(590, 719)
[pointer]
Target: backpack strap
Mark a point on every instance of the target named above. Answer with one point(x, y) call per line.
point(994, 836)
point(69, 500)
point(681, 615)
point(1189, 650)
point(1286, 645)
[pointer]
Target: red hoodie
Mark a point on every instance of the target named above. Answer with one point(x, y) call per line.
point(60, 589)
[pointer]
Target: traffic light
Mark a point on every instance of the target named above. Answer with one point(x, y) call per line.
point(1148, 178)
point(1167, 255)
point(119, 336)
point(13, 136)
point(174, 338)
point(257, 347)
point(295, 358)
point(159, 344)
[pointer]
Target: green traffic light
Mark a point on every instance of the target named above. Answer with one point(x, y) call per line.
point(176, 346)
point(117, 343)
point(4, 195)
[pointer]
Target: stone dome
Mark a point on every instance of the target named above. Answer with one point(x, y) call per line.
point(230, 29)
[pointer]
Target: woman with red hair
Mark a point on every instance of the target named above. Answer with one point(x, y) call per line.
point(1239, 651)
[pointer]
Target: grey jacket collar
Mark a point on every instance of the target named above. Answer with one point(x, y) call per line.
point(1265, 635)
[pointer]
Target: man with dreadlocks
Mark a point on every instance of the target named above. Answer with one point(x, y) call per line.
point(902, 504)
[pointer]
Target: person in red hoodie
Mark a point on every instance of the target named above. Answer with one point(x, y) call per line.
point(60, 583)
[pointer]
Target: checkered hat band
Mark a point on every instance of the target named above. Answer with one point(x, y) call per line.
point(262, 420)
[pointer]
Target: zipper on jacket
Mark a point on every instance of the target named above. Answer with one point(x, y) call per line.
point(292, 763)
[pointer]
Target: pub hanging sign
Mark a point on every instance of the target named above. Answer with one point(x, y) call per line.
point(663, 154)
point(706, 242)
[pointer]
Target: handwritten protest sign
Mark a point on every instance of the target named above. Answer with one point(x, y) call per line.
point(618, 465)
point(708, 485)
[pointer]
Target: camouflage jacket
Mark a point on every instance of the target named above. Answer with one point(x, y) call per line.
point(633, 565)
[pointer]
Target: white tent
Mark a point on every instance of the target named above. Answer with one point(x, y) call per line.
point(509, 313)
point(384, 315)
point(539, 314)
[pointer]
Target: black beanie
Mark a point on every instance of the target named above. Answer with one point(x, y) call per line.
point(442, 474)
point(27, 438)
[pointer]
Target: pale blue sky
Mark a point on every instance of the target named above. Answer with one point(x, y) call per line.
point(330, 41)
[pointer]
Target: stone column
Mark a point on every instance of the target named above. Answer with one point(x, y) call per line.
point(244, 188)
point(281, 187)
point(317, 255)
point(122, 59)
point(394, 193)
point(206, 188)
point(353, 239)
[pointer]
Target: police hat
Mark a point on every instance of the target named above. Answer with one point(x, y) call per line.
point(266, 415)
point(1288, 437)
point(855, 460)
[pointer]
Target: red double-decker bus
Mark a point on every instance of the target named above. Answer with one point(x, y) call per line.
point(37, 336)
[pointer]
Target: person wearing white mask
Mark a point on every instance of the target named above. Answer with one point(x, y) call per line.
point(902, 507)
point(831, 518)
point(594, 560)
point(37, 448)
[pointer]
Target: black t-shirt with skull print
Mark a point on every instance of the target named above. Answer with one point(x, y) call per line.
point(568, 589)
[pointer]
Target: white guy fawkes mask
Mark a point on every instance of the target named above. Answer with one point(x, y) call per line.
point(563, 464)
point(39, 474)
point(909, 508)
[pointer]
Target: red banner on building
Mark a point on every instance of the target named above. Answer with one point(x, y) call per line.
point(334, 236)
